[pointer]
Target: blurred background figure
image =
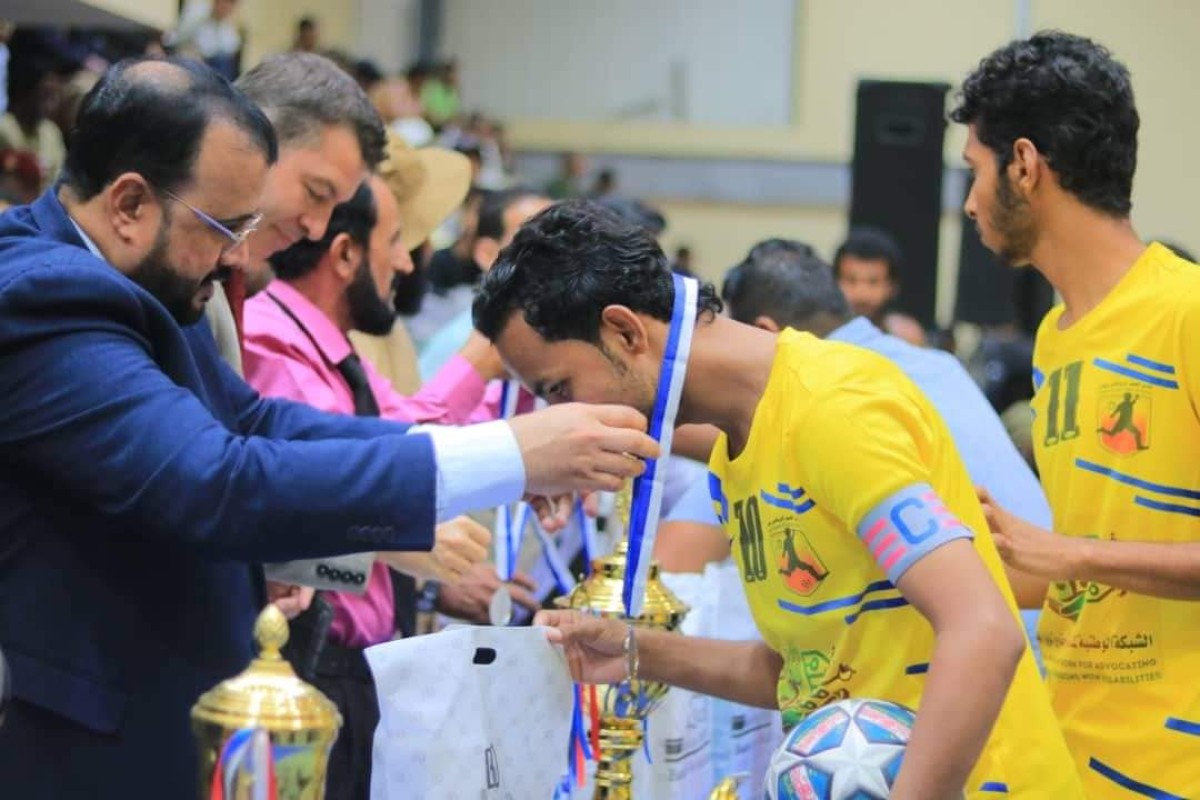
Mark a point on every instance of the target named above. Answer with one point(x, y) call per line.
point(208, 30)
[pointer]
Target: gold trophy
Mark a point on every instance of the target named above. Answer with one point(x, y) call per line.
point(624, 706)
point(264, 733)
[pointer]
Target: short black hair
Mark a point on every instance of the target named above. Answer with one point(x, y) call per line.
point(303, 93)
point(1073, 100)
point(870, 244)
point(636, 212)
point(149, 116)
point(785, 280)
point(493, 207)
point(356, 217)
point(567, 264)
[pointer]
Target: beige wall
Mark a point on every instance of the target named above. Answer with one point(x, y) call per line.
point(271, 24)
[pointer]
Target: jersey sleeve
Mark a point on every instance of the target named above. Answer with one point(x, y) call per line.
point(866, 455)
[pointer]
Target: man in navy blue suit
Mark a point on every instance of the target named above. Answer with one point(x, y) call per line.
point(141, 481)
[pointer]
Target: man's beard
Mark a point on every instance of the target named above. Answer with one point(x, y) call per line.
point(369, 313)
point(409, 290)
point(1013, 225)
point(177, 294)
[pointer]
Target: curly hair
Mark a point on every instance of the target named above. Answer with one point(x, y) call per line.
point(567, 264)
point(1073, 100)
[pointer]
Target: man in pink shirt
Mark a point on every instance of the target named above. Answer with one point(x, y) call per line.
point(296, 346)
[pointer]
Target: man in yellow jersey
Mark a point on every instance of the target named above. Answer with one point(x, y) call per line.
point(1053, 145)
point(862, 546)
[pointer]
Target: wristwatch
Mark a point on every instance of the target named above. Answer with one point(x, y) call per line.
point(427, 599)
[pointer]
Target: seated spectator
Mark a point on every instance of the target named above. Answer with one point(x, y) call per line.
point(867, 268)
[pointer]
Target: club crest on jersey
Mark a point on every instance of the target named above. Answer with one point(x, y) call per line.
point(1067, 599)
point(1123, 419)
point(797, 561)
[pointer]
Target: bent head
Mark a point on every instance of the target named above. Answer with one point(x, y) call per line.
point(166, 167)
point(579, 306)
point(1051, 121)
point(330, 138)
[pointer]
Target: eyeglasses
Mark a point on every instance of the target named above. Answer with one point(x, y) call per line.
point(235, 237)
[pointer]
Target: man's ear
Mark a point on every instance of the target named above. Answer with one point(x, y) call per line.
point(1027, 168)
point(485, 252)
point(766, 323)
point(131, 202)
point(345, 254)
point(624, 329)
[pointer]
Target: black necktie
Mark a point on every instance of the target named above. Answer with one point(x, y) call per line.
point(360, 388)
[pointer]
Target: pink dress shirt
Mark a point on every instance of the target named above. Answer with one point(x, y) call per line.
point(297, 359)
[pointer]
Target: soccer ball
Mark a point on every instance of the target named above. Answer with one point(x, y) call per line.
point(851, 750)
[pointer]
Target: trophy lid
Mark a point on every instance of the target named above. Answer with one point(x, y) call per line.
point(268, 694)
point(602, 592)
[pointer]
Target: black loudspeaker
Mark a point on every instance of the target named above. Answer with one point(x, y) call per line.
point(897, 179)
point(990, 293)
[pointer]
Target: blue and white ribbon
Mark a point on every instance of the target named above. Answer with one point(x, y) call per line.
point(648, 489)
point(511, 519)
point(587, 535)
point(555, 561)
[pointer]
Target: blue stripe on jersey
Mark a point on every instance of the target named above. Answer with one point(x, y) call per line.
point(1137, 787)
point(841, 602)
point(876, 605)
point(1121, 477)
point(1157, 366)
point(994, 786)
point(916, 669)
point(795, 493)
point(1183, 726)
point(718, 495)
point(1171, 508)
point(1153, 380)
point(786, 504)
point(1039, 378)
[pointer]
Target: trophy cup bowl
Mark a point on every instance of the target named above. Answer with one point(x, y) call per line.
point(264, 727)
point(624, 706)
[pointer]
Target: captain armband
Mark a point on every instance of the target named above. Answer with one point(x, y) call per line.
point(907, 526)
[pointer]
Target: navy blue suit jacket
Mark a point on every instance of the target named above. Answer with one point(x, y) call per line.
point(140, 481)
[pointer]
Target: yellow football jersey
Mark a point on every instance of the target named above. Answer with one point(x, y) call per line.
point(838, 432)
point(1117, 438)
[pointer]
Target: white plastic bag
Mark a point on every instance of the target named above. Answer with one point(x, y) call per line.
point(744, 737)
point(679, 732)
point(471, 712)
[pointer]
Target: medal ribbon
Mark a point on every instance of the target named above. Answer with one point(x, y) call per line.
point(648, 489)
point(511, 521)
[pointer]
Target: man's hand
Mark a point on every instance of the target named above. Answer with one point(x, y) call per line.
point(458, 545)
point(290, 598)
point(468, 598)
point(575, 446)
point(1027, 547)
point(594, 646)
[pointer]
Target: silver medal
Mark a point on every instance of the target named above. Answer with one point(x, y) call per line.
point(500, 609)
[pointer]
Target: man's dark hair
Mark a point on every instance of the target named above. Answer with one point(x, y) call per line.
point(870, 244)
point(493, 207)
point(303, 93)
point(1073, 100)
point(786, 281)
point(570, 262)
point(636, 212)
point(305, 24)
point(149, 117)
point(355, 217)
